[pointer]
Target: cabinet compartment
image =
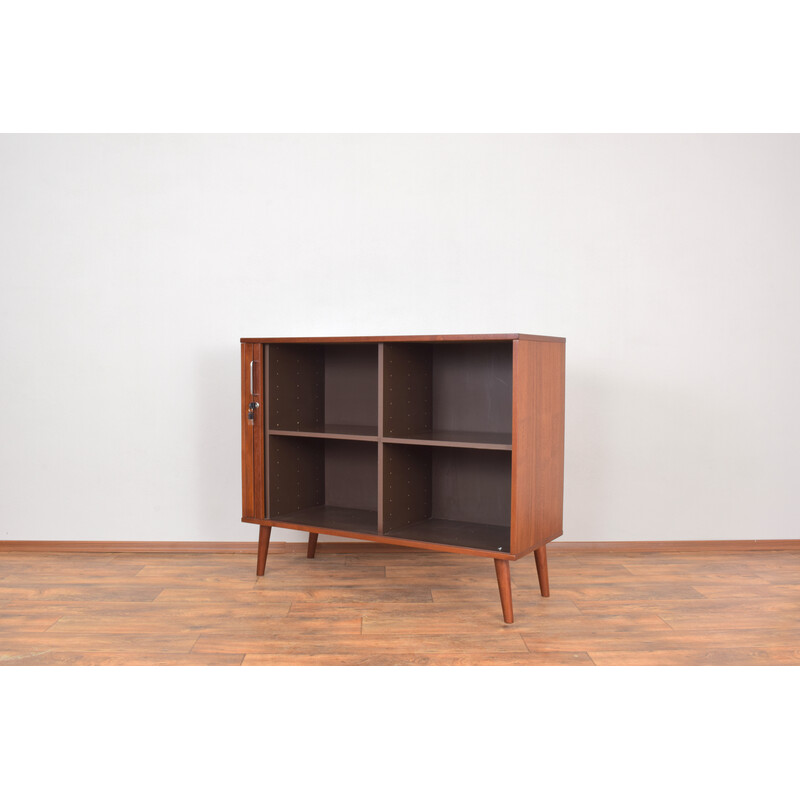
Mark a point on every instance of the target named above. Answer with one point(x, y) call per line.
point(454, 496)
point(324, 388)
point(325, 483)
point(454, 394)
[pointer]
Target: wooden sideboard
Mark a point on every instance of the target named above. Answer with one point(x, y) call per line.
point(448, 443)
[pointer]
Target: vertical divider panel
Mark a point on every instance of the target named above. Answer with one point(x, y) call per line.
point(380, 436)
point(407, 405)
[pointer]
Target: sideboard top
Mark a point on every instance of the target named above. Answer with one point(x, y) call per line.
point(460, 337)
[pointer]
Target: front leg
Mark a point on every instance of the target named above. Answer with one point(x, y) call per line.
point(540, 554)
point(263, 546)
point(504, 584)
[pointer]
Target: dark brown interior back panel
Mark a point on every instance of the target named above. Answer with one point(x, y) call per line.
point(351, 474)
point(406, 485)
point(296, 474)
point(407, 389)
point(448, 387)
point(296, 386)
point(472, 383)
point(471, 485)
point(351, 385)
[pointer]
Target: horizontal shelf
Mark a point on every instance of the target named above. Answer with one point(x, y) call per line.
point(471, 439)
point(359, 433)
point(333, 517)
point(369, 433)
point(458, 534)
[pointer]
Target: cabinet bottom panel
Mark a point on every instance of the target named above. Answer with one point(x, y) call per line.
point(333, 517)
point(457, 534)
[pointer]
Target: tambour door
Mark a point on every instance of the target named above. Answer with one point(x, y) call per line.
point(253, 409)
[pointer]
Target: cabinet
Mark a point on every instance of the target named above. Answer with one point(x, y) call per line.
point(449, 443)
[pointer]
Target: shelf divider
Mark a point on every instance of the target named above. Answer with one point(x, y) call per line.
point(380, 438)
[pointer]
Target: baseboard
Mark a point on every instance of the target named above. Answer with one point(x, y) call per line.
point(52, 546)
point(707, 545)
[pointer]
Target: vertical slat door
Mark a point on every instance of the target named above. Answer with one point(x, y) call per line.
point(252, 411)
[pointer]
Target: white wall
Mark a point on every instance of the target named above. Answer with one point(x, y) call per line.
point(131, 265)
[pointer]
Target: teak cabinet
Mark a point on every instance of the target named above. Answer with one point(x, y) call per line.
point(449, 443)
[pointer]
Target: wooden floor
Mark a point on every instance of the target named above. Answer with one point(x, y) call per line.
point(367, 604)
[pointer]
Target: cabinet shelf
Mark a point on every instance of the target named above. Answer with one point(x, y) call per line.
point(470, 439)
point(360, 433)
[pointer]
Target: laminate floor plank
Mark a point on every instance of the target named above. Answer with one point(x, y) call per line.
point(619, 639)
point(25, 621)
point(298, 645)
point(175, 624)
point(354, 592)
point(735, 591)
point(103, 642)
point(720, 656)
point(79, 591)
point(357, 604)
point(54, 658)
point(551, 658)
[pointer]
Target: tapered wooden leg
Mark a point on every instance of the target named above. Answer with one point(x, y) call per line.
point(312, 544)
point(263, 545)
point(540, 554)
point(504, 582)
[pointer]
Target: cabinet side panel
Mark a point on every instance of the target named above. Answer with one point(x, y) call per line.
point(248, 486)
point(537, 444)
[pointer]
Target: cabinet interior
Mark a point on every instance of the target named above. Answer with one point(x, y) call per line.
point(413, 442)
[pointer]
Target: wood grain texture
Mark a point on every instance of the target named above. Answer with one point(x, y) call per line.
point(248, 485)
point(264, 533)
point(261, 436)
point(377, 605)
point(540, 555)
point(504, 584)
point(537, 488)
